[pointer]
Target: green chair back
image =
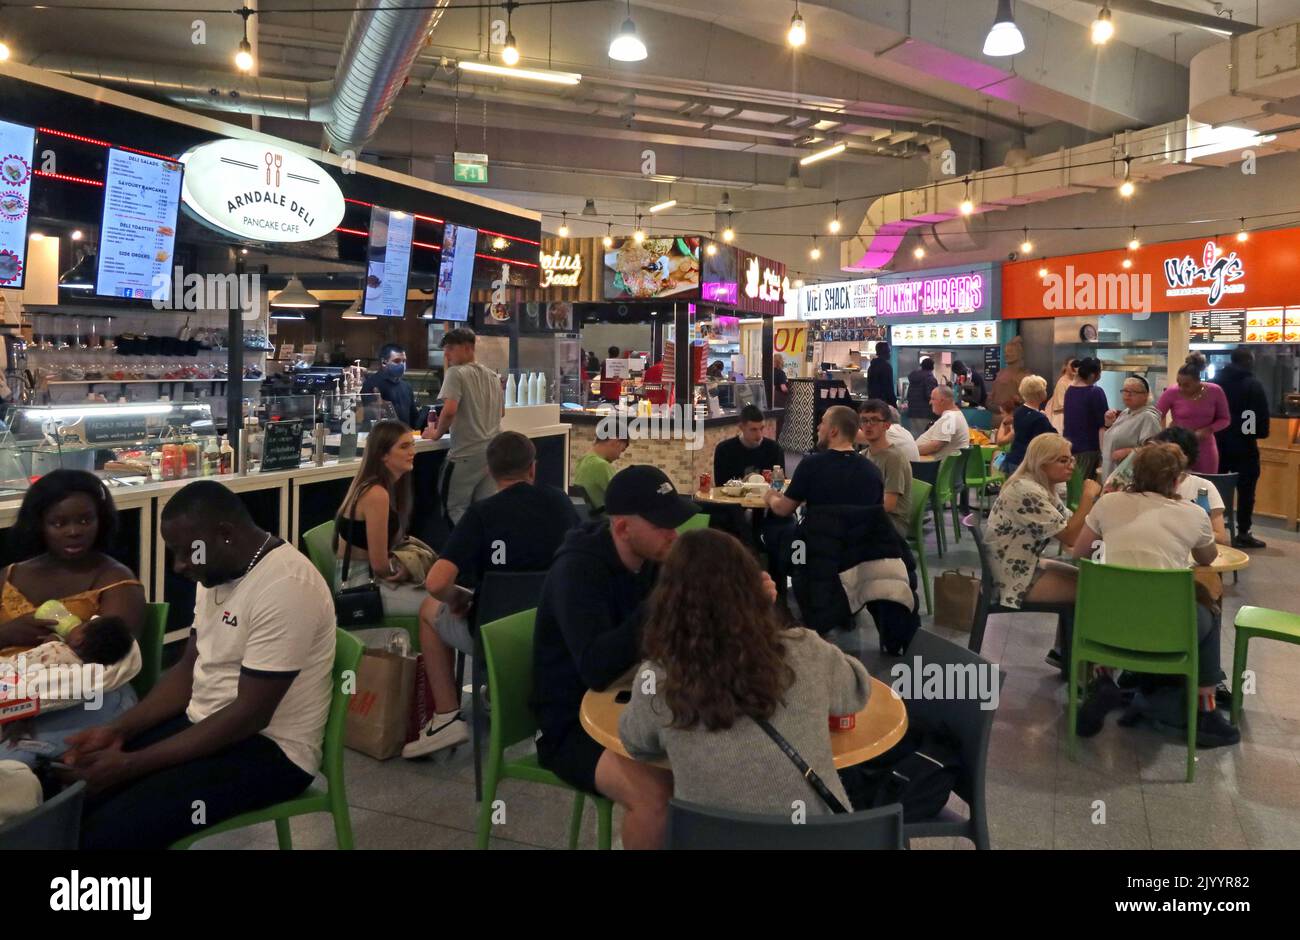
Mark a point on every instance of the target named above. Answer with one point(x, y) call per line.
point(919, 503)
point(976, 466)
point(347, 657)
point(319, 543)
point(151, 647)
point(943, 484)
point(508, 655)
point(1138, 619)
point(698, 521)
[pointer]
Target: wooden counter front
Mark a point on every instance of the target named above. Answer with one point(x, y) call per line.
point(1278, 493)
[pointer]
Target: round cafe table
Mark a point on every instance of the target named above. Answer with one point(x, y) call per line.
point(1230, 559)
point(719, 498)
point(880, 725)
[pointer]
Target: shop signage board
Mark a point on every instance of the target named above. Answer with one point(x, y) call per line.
point(260, 191)
point(971, 292)
point(763, 286)
point(470, 167)
point(1214, 273)
point(790, 340)
point(560, 269)
point(840, 299)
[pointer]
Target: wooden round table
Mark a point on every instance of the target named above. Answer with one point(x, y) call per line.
point(1230, 559)
point(718, 498)
point(880, 725)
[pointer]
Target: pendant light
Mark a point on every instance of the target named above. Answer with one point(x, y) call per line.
point(1103, 27)
point(815, 253)
point(295, 297)
point(834, 225)
point(1026, 246)
point(627, 45)
point(244, 57)
point(563, 230)
point(589, 209)
point(1004, 37)
point(354, 312)
point(608, 240)
point(1242, 234)
point(510, 51)
point(798, 33)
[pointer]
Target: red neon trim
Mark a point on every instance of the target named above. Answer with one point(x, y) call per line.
point(105, 143)
point(426, 245)
point(513, 238)
point(359, 202)
point(69, 179)
point(429, 218)
point(526, 264)
point(352, 231)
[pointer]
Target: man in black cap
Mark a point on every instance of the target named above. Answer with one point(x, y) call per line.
point(588, 635)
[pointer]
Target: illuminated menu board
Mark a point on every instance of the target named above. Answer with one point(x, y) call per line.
point(1220, 326)
point(16, 145)
point(137, 237)
point(1256, 325)
point(455, 272)
point(389, 263)
point(970, 333)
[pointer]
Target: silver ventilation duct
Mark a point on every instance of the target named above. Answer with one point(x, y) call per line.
point(377, 56)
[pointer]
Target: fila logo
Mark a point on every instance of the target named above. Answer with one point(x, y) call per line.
point(229, 619)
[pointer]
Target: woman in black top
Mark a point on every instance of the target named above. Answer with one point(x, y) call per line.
point(880, 376)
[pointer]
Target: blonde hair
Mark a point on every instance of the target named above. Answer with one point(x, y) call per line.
point(1042, 450)
point(1033, 387)
point(1157, 468)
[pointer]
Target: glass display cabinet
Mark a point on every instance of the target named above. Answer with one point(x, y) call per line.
point(332, 426)
point(124, 444)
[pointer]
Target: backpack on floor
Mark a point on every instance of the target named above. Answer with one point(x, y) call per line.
point(920, 772)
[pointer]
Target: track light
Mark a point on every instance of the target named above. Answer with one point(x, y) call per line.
point(1004, 37)
point(798, 34)
point(1102, 27)
point(563, 230)
point(816, 252)
point(835, 221)
point(627, 45)
point(244, 57)
point(1026, 246)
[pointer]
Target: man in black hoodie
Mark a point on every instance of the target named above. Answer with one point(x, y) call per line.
point(1239, 441)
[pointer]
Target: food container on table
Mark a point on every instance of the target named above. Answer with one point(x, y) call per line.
point(843, 722)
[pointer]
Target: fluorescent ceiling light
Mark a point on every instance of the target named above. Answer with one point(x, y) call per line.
point(627, 45)
point(664, 205)
point(1004, 37)
point(823, 154)
point(535, 75)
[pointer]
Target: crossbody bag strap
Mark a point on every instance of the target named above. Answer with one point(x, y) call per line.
point(808, 773)
point(347, 553)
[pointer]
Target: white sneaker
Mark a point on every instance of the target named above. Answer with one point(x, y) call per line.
point(436, 735)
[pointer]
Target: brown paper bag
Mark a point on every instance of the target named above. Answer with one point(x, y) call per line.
point(956, 597)
point(377, 713)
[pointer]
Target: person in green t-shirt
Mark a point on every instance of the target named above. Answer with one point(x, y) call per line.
point(595, 470)
point(875, 419)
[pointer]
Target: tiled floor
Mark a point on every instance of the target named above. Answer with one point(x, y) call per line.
point(1246, 796)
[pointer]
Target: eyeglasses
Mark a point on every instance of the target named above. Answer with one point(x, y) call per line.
point(1066, 460)
point(874, 421)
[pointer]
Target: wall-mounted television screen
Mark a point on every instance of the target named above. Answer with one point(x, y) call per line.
point(388, 263)
point(137, 234)
point(456, 272)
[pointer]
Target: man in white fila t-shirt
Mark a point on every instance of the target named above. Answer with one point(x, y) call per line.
point(237, 723)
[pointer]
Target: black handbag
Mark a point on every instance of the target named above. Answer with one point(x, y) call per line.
point(358, 606)
point(814, 781)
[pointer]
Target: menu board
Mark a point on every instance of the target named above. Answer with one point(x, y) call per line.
point(455, 272)
point(389, 262)
point(282, 446)
point(137, 236)
point(1256, 325)
point(969, 333)
point(1220, 326)
point(1272, 325)
point(16, 145)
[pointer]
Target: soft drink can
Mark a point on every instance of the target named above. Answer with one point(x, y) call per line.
point(843, 722)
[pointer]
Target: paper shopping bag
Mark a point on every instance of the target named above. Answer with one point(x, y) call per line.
point(956, 597)
point(377, 713)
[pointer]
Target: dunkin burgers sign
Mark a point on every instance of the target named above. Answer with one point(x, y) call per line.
point(1199, 274)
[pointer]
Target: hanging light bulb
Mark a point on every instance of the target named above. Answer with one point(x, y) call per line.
point(1242, 234)
point(608, 240)
point(1042, 272)
point(563, 230)
point(728, 233)
point(967, 205)
point(4, 50)
point(816, 252)
point(638, 236)
point(1127, 263)
point(1026, 246)
point(711, 248)
point(510, 51)
point(918, 252)
point(1127, 188)
point(835, 222)
point(1134, 243)
point(798, 34)
point(244, 56)
point(1102, 27)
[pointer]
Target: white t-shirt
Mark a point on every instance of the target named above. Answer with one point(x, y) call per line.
point(1193, 484)
point(1147, 530)
point(278, 620)
point(901, 438)
point(952, 430)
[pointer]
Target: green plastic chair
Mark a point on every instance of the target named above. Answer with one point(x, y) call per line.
point(508, 655)
point(918, 501)
point(1139, 619)
point(151, 647)
point(320, 549)
point(1260, 622)
point(951, 469)
point(979, 473)
point(698, 521)
point(333, 799)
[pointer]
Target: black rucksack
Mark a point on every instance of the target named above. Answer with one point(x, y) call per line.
point(920, 772)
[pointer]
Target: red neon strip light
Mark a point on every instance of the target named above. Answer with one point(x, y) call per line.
point(358, 202)
point(429, 218)
point(69, 179)
point(104, 143)
point(513, 238)
point(427, 245)
point(511, 261)
point(352, 231)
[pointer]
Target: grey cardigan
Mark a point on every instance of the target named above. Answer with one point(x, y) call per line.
point(1130, 429)
point(741, 768)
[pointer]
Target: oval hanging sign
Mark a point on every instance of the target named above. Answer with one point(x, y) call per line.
point(259, 191)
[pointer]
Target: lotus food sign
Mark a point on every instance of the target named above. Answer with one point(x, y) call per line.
point(260, 192)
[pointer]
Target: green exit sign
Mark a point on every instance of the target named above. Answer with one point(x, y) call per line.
point(470, 167)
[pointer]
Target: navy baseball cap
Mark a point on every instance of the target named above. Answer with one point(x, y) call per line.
point(647, 492)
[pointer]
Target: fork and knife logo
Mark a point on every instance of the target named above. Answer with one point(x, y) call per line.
point(273, 160)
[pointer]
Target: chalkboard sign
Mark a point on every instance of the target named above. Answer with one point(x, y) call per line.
point(992, 362)
point(282, 446)
point(100, 430)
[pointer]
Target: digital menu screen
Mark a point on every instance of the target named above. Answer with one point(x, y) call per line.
point(16, 145)
point(456, 272)
point(1220, 326)
point(137, 236)
point(389, 262)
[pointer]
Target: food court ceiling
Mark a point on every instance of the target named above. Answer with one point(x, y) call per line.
point(724, 103)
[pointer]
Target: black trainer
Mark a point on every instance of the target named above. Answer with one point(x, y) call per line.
point(1103, 696)
point(1246, 540)
point(1214, 730)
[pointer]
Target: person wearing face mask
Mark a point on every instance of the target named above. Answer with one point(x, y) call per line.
point(388, 381)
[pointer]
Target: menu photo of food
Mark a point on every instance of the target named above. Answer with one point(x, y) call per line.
point(559, 317)
point(11, 267)
point(13, 206)
point(14, 170)
point(658, 267)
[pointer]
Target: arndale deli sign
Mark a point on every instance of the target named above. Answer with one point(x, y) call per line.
point(260, 191)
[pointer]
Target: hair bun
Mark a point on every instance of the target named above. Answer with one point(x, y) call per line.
point(1196, 360)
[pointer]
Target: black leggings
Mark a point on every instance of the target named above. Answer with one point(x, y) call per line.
point(155, 811)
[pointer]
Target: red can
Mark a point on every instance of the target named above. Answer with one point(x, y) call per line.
point(706, 482)
point(843, 722)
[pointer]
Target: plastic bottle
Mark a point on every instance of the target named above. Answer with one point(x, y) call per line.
point(778, 477)
point(541, 388)
point(1203, 499)
point(512, 394)
point(211, 458)
point(227, 456)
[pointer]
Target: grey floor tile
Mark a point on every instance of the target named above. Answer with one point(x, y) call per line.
point(1073, 833)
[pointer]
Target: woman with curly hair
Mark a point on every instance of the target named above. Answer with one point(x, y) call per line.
point(719, 660)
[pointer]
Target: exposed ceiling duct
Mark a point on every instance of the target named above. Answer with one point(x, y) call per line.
point(378, 52)
point(1251, 81)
